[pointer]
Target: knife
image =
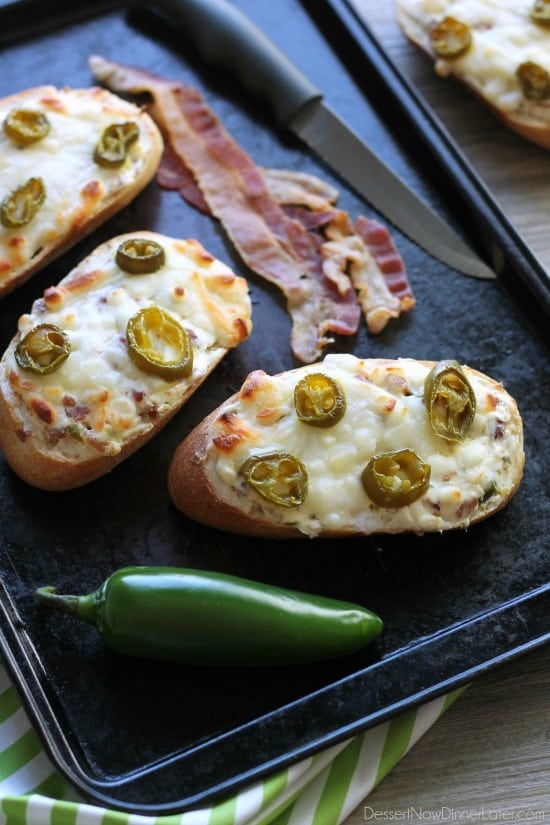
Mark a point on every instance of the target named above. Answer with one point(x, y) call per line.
point(225, 37)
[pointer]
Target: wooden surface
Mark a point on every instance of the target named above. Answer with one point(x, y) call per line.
point(488, 758)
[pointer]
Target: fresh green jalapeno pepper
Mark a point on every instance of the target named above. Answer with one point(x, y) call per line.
point(43, 349)
point(20, 206)
point(534, 80)
point(396, 479)
point(26, 126)
point(206, 618)
point(450, 400)
point(112, 147)
point(140, 256)
point(319, 401)
point(158, 344)
point(450, 38)
point(280, 478)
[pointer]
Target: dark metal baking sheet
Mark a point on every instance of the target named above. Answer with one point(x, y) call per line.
point(157, 738)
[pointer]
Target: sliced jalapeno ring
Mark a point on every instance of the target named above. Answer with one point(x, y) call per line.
point(396, 479)
point(158, 344)
point(26, 126)
point(318, 400)
point(450, 37)
point(43, 349)
point(112, 147)
point(278, 477)
point(534, 81)
point(140, 256)
point(450, 400)
point(20, 206)
point(540, 12)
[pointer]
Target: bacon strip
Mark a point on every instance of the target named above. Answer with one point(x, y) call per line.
point(388, 259)
point(274, 245)
point(284, 224)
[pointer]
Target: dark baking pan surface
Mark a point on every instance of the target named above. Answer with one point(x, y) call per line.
point(157, 738)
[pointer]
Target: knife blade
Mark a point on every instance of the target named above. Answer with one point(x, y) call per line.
point(227, 38)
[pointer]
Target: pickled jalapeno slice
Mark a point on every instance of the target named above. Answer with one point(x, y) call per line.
point(26, 126)
point(280, 478)
point(450, 400)
point(20, 206)
point(449, 37)
point(319, 401)
point(112, 147)
point(140, 256)
point(43, 349)
point(396, 479)
point(540, 12)
point(534, 81)
point(158, 344)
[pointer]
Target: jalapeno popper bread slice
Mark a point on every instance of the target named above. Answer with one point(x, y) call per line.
point(353, 446)
point(69, 159)
point(105, 358)
point(500, 51)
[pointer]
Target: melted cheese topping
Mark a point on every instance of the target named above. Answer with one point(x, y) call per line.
point(385, 412)
point(503, 37)
point(75, 185)
point(98, 399)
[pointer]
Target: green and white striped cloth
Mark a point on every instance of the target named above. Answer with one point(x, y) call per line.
point(321, 790)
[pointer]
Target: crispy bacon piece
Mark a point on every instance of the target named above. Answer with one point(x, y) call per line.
point(388, 260)
point(365, 253)
point(279, 221)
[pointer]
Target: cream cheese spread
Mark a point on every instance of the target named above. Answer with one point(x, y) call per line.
point(385, 411)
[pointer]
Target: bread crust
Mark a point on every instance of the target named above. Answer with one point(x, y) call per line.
point(25, 442)
point(193, 490)
point(526, 124)
point(111, 203)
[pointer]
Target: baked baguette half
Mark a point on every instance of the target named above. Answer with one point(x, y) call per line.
point(500, 51)
point(306, 452)
point(62, 174)
point(105, 358)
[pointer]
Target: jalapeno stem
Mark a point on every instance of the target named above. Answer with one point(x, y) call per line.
point(83, 607)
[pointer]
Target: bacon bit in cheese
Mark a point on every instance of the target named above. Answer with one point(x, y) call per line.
point(78, 413)
point(43, 410)
point(388, 405)
point(179, 292)
point(498, 430)
point(5, 266)
point(492, 401)
point(16, 381)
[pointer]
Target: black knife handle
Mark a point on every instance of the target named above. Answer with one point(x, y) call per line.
point(225, 37)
